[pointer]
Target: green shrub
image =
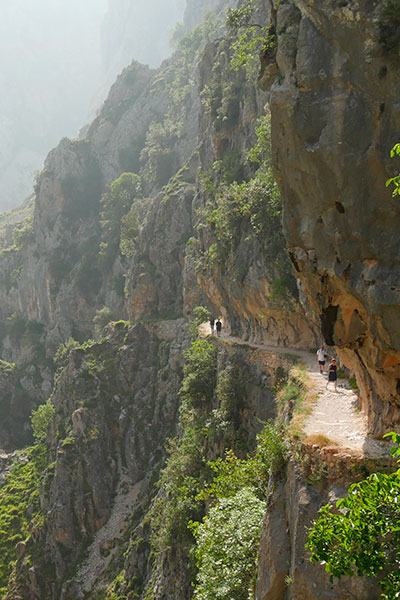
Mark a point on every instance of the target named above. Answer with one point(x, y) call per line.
point(250, 210)
point(201, 315)
point(250, 39)
point(159, 156)
point(23, 233)
point(227, 540)
point(395, 181)
point(117, 202)
point(200, 373)
point(6, 367)
point(41, 419)
point(231, 392)
point(361, 535)
point(102, 317)
point(19, 506)
point(226, 547)
point(63, 351)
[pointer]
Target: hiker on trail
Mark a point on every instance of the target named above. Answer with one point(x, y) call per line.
point(212, 322)
point(332, 374)
point(321, 358)
point(218, 327)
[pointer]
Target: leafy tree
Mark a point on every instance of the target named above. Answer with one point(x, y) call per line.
point(41, 420)
point(130, 227)
point(362, 536)
point(201, 315)
point(227, 545)
point(228, 538)
point(200, 373)
point(395, 180)
point(251, 38)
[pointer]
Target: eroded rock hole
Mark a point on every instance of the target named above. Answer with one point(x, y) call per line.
point(382, 72)
point(328, 320)
point(382, 108)
point(339, 207)
point(398, 387)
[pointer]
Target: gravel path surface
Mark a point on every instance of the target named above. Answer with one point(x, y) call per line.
point(335, 414)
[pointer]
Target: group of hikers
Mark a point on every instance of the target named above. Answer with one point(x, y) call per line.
point(321, 357)
point(217, 324)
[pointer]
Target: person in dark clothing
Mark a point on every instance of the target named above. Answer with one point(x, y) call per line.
point(212, 323)
point(218, 327)
point(332, 374)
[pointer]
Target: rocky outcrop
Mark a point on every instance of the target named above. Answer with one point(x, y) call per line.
point(240, 286)
point(335, 117)
point(284, 571)
point(116, 403)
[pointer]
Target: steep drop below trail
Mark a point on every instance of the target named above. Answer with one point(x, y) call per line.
point(335, 415)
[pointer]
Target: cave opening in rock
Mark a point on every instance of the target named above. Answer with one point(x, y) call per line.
point(328, 320)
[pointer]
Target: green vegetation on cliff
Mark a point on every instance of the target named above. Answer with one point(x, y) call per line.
point(362, 536)
point(233, 485)
point(20, 513)
point(238, 211)
point(395, 181)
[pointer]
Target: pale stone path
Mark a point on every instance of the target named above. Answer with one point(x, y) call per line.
point(335, 414)
point(108, 537)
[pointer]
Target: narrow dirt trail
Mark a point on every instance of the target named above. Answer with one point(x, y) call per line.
point(335, 414)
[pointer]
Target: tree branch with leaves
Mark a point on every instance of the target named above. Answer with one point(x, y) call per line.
point(361, 535)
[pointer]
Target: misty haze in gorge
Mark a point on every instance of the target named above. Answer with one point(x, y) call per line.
point(58, 59)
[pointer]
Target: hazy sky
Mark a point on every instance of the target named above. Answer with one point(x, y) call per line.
point(57, 60)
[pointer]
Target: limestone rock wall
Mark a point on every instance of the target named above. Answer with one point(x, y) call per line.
point(284, 571)
point(116, 403)
point(335, 117)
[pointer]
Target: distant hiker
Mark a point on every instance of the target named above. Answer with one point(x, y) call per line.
point(218, 327)
point(212, 323)
point(321, 358)
point(332, 373)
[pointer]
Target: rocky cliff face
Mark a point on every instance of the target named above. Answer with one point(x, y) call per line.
point(116, 402)
point(158, 124)
point(284, 572)
point(209, 234)
point(335, 114)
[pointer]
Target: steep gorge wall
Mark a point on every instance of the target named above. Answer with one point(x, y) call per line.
point(117, 400)
point(335, 117)
point(284, 571)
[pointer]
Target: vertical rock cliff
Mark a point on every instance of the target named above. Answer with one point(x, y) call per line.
point(335, 118)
